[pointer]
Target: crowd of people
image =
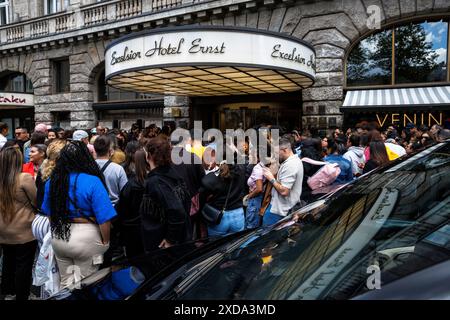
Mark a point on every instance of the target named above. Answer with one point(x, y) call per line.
point(97, 196)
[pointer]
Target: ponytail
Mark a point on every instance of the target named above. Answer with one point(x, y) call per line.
point(224, 170)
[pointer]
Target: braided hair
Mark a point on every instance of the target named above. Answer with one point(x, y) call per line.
point(74, 158)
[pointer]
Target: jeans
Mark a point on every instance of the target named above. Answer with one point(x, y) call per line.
point(232, 221)
point(271, 218)
point(252, 217)
point(17, 268)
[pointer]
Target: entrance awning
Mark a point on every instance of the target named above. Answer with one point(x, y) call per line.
point(132, 104)
point(410, 98)
point(209, 61)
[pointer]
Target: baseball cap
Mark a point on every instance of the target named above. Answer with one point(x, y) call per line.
point(79, 134)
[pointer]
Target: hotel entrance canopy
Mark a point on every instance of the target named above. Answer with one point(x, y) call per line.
point(209, 61)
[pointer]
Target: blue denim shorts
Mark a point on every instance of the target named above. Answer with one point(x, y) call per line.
point(252, 216)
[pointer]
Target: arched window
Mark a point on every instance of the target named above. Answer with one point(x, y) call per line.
point(416, 52)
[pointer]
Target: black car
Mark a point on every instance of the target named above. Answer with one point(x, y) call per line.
point(383, 236)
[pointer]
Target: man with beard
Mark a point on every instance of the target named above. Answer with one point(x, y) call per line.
point(287, 187)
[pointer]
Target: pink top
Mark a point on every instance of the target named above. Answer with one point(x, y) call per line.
point(367, 153)
point(257, 174)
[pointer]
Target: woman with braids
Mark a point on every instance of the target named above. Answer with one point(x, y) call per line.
point(166, 202)
point(17, 199)
point(77, 202)
point(224, 189)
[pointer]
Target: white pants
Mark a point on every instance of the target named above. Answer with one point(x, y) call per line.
point(82, 255)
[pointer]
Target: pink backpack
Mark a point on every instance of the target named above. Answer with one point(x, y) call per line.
point(324, 176)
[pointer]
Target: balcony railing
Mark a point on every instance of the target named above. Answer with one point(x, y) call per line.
point(95, 15)
point(165, 4)
point(86, 16)
point(39, 28)
point(15, 33)
point(129, 8)
point(65, 22)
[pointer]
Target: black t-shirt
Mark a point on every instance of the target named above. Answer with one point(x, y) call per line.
point(215, 189)
point(192, 173)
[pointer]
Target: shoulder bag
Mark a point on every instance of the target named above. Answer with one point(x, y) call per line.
point(212, 215)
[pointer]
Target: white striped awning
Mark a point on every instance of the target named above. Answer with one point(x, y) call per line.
point(402, 97)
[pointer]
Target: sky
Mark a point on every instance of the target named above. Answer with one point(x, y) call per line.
point(437, 34)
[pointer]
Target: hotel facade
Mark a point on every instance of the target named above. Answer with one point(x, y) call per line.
point(230, 63)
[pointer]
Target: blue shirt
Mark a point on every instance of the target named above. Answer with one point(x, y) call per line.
point(91, 195)
point(346, 174)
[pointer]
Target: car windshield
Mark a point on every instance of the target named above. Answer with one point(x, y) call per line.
point(395, 222)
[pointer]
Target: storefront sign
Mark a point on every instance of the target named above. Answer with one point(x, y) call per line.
point(16, 99)
point(171, 50)
point(402, 119)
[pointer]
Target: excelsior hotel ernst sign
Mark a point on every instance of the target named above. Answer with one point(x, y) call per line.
point(198, 47)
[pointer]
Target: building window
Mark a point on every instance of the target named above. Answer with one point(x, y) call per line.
point(370, 62)
point(61, 119)
point(53, 6)
point(16, 82)
point(421, 52)
point(416, 52)
point(61, 76)
point(4, 12)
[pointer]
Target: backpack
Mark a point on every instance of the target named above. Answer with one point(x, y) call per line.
point(325, 176)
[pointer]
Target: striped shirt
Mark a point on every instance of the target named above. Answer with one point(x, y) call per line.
point(40, 227)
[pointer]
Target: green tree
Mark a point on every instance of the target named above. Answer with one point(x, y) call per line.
point(357, 64)
point(414, 56)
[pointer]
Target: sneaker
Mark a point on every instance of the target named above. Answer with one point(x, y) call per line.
point(33, 297)
point(10, 297)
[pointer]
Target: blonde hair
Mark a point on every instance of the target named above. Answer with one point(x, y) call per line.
point(53, 151)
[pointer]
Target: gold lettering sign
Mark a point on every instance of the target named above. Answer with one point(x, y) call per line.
point(395, 118)
point(418, 118)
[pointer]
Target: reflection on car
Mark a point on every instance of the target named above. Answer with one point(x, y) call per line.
point(390, 224)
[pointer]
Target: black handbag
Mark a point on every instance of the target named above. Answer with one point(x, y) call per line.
point(212, 215)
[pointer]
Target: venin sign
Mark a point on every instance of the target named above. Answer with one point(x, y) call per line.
point(402, 119)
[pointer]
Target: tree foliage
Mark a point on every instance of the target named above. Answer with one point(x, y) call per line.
point(370, 62)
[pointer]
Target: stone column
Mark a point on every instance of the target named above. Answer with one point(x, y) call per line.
point(321, 102)
point(82, 119)
point(176, 108)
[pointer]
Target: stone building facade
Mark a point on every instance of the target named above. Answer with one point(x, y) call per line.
point(32, 40)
